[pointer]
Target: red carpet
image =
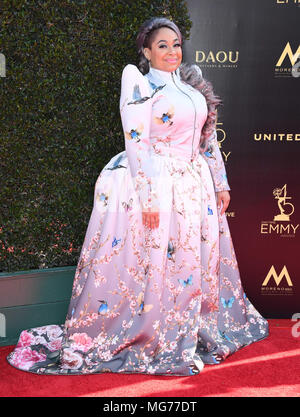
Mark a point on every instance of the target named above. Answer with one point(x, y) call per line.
point(269, 368)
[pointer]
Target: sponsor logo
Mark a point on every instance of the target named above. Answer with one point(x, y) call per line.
point(287, 64)
point(277, 137)
point(218, 59)
point(281, 225)
point(297, 2)
point(277, 284)
point(230, 214)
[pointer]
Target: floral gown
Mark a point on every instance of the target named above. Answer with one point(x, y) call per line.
point(158, 301)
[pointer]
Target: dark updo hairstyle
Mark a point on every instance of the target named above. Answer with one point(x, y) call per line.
point(191, 74)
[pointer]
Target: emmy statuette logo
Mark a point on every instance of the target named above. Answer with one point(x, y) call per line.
point(281, 224)
point(273, 283)
point(281, 197)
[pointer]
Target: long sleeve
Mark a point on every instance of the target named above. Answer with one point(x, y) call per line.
point(216, 165)
point(136, 111)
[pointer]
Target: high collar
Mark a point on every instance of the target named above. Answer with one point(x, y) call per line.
point(165, 76)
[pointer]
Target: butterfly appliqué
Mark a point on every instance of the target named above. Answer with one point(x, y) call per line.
point(171, 252)
point(103, 198)
point(209, 152)
point(134, 134)
point(188, 281)
point(216, 358)
point(227, 303)
point(224, 336)
point(115, 241)
point(143, 308)
point(193, 370)
point(103, 308)
point(224, 176)
point(166, 117)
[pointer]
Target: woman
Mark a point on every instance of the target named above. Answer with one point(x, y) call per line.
point(157, 288)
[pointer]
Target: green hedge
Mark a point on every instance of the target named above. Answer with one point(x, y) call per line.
point(60, 120)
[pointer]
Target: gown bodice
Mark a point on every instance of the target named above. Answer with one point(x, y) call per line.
point(179, 112)
point(162, 115)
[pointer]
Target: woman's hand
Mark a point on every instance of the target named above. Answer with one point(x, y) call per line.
point(224, 198)
point(150, 218)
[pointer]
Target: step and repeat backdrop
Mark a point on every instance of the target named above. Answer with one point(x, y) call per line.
point(250, 52)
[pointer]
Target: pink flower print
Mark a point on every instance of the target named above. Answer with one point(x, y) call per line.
point(142, 368)
point(54, 345)
point(173, 345)
point(186, 315)
point(53, 332)
point(81, 341)
point(70, 359)
point(70, 323)
point(187, 355)
point(169, 318)
point(100, 339)
point(24, 358)
point(39, 330)
point(196, 293)
point(156, 325)
point(171, 286)
point(104, 355)
point(39, 340)
point(177, 316)
point(25, 339)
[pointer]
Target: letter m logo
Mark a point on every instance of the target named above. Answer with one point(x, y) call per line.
point(277, 279)
point(288, 51)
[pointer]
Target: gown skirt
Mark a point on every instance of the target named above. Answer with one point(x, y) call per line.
point(161, 301)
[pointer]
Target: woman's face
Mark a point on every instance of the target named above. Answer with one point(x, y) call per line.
point(165, 53)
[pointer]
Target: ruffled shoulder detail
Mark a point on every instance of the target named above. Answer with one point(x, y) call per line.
point(131, 71)
point(137, 85)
